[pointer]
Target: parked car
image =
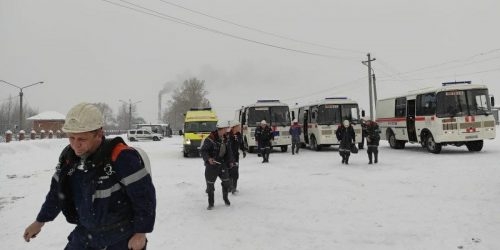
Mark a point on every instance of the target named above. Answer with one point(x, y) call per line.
point(143, 134)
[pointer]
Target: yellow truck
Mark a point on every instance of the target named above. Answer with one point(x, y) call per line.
point(198, 123)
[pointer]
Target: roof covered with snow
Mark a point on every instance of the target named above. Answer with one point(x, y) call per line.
point(48, 115)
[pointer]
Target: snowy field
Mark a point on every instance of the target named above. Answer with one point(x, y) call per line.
point(412, 199)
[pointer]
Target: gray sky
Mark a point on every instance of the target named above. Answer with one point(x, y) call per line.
point(95, 51)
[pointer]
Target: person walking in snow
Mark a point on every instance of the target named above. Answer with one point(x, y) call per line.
point(372, 140)
point(264, 135)
point(236, 144)
point(295, 131)
point(346, 137)
point(216, 154)
point(100, 185)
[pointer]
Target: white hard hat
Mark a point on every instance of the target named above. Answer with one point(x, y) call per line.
point(295, 121)
point(263, 122)
point(346, 123)
point(222, 124)
point(83, 117)
point(234, 123)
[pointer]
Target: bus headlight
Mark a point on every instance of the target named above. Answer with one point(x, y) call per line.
point(187, 141)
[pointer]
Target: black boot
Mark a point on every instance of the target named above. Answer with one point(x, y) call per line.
point(347, 160)
point(370, 158)
point(210, 200)
point(376, 157)
point(226, 199)
point(235, 184)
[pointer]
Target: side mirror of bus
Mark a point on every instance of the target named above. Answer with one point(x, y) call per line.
point(180, 132)
point(363, 113)
point(493, 101)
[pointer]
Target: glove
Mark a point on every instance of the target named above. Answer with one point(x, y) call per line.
point(244, 154)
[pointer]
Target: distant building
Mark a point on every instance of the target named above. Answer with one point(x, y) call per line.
point(47, 121)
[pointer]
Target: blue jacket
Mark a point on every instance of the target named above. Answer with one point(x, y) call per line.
point(111, 199)
point(295, 132)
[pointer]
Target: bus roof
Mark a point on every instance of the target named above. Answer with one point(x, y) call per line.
point(331, 100)
point(445, 87)
point(267, 103)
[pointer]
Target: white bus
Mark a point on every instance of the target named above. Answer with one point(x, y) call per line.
point(458, 113)
point(276, 114)
point(319, 121)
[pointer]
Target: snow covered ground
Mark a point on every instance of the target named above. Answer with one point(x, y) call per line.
point(410, 200)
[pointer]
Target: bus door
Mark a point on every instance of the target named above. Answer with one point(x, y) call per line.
point(410, 120)
point(305, 127)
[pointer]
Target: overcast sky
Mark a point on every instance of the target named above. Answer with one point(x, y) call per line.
point(295, 51)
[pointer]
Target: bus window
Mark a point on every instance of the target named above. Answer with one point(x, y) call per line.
point(350, 112)
point(426, 104)
point(400, 107)
point(280, 115)
point(478, 102)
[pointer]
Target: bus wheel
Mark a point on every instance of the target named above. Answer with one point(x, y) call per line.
point(474, 146)
point(432, 146)
point(185, 154)
point(392, 140)
point(284, 148)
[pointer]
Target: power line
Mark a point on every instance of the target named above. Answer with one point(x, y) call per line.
point(322, 91)
point(446, 76)
point(445, 63)
point(197, 26)
point(259, 30)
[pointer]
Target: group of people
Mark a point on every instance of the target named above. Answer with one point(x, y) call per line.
point(220, 152)
point(347, 140)
point(105, 188)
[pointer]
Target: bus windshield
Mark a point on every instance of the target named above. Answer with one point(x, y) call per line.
point(274, 115)
point(204, 126)
point(329, 114)
point(463, 103)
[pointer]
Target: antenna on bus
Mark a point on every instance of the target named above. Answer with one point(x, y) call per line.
point(455, 82)
point(268, 100)
point(336, 98)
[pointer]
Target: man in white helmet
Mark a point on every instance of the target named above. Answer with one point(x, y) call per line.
point(100, 185)
point(264, 135)
point(216, 153)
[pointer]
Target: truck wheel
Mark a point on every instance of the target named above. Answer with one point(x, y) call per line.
point(284, 148)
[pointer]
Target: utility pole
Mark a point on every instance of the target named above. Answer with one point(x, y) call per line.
point(129, 111)
point(370, 91)
point(21, 118)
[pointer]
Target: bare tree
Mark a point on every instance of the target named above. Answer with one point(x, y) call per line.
point(108, 116)
point(9, 115)
point(190, 94)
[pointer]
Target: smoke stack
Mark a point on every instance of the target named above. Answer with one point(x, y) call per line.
point(159, 106)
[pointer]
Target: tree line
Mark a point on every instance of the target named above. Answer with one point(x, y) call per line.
point(190, 93)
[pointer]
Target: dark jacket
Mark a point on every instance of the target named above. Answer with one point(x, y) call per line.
point(264, 135)
point(236, 144)
point(345, 136)
point(110, 198)
point(295, 131)
point(372, 133)
point(217, 148)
